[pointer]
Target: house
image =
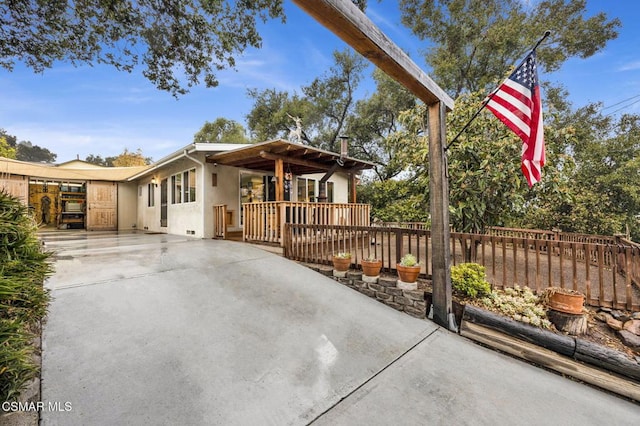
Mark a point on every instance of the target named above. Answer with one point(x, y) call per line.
point(206, 190)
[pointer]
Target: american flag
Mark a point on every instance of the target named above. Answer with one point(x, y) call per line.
point(516, 102)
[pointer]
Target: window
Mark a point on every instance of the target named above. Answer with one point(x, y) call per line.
point(183, 187)
point(192, 185)
point(302, 189)
point(330, 192)
point(176, 192)
point(306, 190)
point(311, 190)
point(151, 199)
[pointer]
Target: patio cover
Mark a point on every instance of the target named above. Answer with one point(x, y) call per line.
point(297, 158)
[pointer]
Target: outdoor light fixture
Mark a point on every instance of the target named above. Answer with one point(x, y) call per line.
point(274, 179)
point(154, 181)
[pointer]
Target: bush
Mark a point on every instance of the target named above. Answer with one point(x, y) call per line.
point(470, 280)
point(520, 304)
point(409, 260)
point(23, 300)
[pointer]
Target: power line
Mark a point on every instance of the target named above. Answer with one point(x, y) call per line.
point(624, 107)
point(618, 103)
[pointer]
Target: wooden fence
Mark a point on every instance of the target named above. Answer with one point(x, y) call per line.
point(220, 221)
point(264, 222)
point(605, 273)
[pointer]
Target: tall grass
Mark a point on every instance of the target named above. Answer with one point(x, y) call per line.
point(23, 300)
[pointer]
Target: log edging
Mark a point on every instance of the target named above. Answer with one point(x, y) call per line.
point(615, 363)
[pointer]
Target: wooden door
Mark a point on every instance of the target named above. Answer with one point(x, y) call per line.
point(102, 206)
point(17, 186)
point(164, 197)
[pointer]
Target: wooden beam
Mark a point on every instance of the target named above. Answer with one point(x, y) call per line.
point(349, 23)
point(279, 173)
point(292, 160)
point(354, 193)
point(439, 194)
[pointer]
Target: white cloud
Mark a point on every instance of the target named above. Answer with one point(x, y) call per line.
point(630, 66)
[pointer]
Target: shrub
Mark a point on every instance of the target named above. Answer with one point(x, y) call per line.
point(409, 260)
point(470, 279)
point(23, 300)
point(343, 255)
point(520, 304)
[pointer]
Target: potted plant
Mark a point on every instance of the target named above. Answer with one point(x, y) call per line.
point(341, 261)
point(563, 300)
point(371, 266)
point(408, 268)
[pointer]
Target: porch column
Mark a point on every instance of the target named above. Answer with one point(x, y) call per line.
point(440, 238)
point(279, 169)
point(353, 188)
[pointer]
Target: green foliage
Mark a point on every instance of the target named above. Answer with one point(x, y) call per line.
point(343, 255)
point(184, 40)
point(221, 130)
point(99, 161)
point(26, 151)
point(6, 150)
point(16, 364)
point(474, 42)
point(131, 159)
point(395, 201)
point(323, 107)
point(23, 150)
point(470, 280)
point(374, 120)
point(409, 260)
point(520, 304)
point(591, 181)
point(23, 300)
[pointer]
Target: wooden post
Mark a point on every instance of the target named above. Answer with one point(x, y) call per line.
point(279, 169)
point(353, 188)
point(440, 238)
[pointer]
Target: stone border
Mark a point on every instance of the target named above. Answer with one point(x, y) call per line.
point(385, 290)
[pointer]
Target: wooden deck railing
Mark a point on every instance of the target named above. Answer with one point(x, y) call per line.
point(603, 272)
point(220, 221)
point(264, 222)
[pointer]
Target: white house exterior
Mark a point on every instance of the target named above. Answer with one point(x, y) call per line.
point(177, 194)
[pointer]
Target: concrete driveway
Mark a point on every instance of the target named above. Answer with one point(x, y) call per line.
point(161, 329)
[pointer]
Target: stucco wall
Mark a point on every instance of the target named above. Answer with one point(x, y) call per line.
point(181, 217)
point(127, 202)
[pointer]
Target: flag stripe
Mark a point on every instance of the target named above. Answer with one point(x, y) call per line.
point(516, 102)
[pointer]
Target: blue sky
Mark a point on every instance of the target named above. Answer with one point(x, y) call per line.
point(97, 110)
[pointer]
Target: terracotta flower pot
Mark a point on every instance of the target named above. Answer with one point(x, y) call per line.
point(408, 274)
point(371, 268)
point(569, 303)
point(341, 263)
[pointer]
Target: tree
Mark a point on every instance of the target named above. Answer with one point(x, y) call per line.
point(99, 161)
point(190, 38)
point(26, 151)
point(323, 107)
point(374, 120)
point(332, 99)
point(597, 190)
point(475, 42)
point(6, 150)
point(221, 130)
point(131, 159)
